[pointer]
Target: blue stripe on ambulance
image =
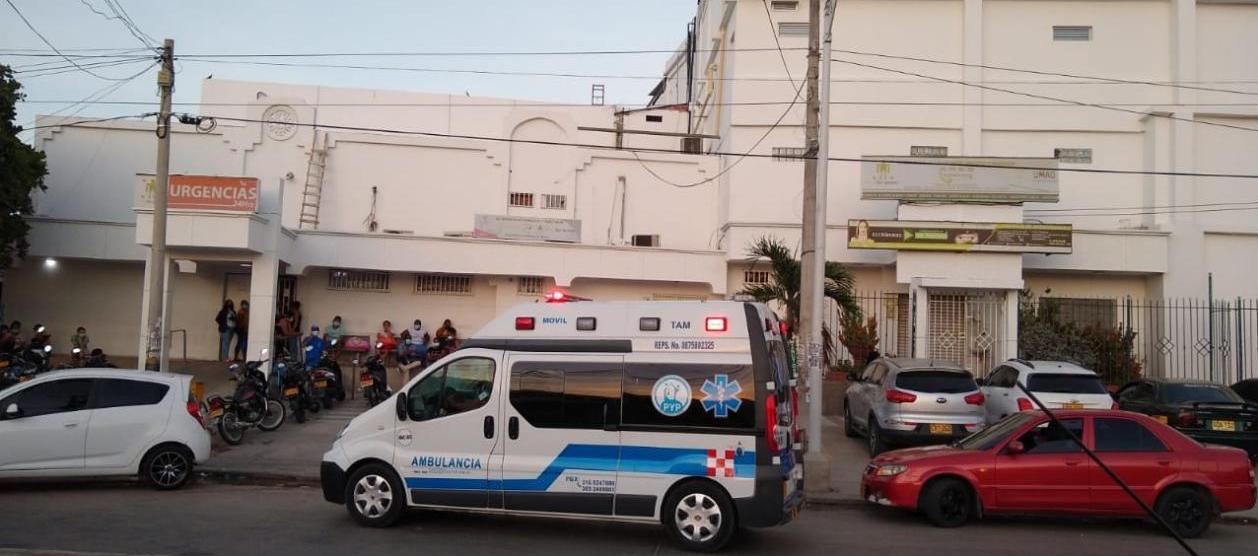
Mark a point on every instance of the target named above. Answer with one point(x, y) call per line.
point(601, 457)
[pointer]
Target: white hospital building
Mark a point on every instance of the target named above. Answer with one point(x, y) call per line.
point(355, 221)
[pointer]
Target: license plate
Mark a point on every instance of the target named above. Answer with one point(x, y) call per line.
point(290, 392)
point(321, 384)
point(23, 379)
point(1161, 419)
point(1072, 405)
point(216, 413)
point(1226, 426)
point(367, 382)
point(936, 428)
point(3, 363)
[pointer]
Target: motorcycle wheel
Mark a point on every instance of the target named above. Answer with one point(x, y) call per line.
point(299, 412)
point(229, 428)
point(329, 399)
point(276, 412)
point(315, 406)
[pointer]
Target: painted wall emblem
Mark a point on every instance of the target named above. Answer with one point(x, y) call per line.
point(671, 395)
point(280, 122)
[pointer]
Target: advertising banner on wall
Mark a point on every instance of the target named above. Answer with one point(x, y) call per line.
point(959, 236)
point(189, 192)
point(959, 179)
point(495, 226)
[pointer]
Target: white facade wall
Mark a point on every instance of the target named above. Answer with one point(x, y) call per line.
point(462, 157)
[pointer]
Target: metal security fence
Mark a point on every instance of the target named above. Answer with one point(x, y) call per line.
point(1121, 338)
point(1168, 338)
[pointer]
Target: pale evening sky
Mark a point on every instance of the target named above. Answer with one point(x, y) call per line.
point(281, 26)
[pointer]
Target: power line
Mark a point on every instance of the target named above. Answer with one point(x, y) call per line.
point(730, 166)
point(1147, 213)
point(542, 104)
point(45, 72)
point(895, 160)
point(1044, 97)
point(54, 49)
point(79, 123)
point(1146, 207)
point(134, 31)
point(1105, 80)
point(116, 7)
point(99, 94)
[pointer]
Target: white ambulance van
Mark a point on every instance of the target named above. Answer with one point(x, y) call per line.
point(674, 412)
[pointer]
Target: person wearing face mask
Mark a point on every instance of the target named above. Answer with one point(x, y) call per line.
point(335, 331)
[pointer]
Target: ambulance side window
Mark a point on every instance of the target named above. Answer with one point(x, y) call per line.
point(660, 396)
point(461, 386)
point(566, 395)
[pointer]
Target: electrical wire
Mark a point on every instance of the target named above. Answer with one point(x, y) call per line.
point(91, 121)
point(1146, 207)
point(730, 166)
point(1044, 97)
point(542, 104)
point(45, 40)
point(58, 70)
point(1142, 213)
point(99, 94)
point(134, 31)
point(1103, 80)
point(116, 7)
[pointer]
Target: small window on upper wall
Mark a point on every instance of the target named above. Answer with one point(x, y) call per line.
point(1073, 156)
point(654, 118)
point(784, 5)
point(1072, 32)
point(550, 201)
point(793, 29)
point(517, 199)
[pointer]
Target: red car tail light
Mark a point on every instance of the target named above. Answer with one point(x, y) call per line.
point(896, 396)
point(1024, 404)
point(771, 423)
point(1187, 419)
point(1114, 406)
point(194, 409)
point(976, 398)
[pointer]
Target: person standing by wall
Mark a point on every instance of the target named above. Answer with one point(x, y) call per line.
point(242, 330)
point(292, 336)
point(226, 320)
point(313, 347)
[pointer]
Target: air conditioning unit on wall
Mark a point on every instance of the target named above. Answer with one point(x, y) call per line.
point(645, 240)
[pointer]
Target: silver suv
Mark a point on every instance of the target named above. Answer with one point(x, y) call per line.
point(903, 401)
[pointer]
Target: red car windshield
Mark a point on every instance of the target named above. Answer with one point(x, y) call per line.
point(989, 437)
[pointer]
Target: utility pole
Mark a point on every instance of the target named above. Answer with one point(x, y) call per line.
point(816, 463)
point(158, 266)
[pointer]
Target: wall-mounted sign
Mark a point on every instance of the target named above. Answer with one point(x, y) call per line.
point(528, 229)
point(959, 236)
point(960, 179)
point(188, 192)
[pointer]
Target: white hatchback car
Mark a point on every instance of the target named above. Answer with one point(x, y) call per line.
point(1058, 384)
point(102, 423)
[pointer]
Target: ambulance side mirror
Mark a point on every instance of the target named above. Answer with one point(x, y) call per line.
point(401, 406)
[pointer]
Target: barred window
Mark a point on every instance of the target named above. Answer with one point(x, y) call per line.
point(443, 284)
point(928, 150)
point(529, 285)
point(554, 201)
point(358, 280)
point(793, 29)
point(789, 153)
point(756, 276)
point(1083, 312)
point(1074, 156)
point(521, 199)
point(677, 297)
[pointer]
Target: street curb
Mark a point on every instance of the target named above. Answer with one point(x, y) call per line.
point(249, 477)
point(833, 500)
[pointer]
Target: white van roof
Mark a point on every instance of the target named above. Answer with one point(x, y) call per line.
point(623, 326)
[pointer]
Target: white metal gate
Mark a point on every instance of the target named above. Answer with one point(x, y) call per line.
point(967, 328)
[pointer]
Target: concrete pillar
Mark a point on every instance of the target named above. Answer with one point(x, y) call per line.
point(1011, 325)
point(263, 280)
point(919, 303)
point(972, 112)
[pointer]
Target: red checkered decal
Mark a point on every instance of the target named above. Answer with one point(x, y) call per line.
point(721, 465)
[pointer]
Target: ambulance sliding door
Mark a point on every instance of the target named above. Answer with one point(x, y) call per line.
point(561, 429)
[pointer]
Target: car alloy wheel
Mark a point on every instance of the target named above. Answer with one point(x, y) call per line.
point(948, 502)
point(373, 496)
point(168, 469)
point(698, 517)
point(1186, 510)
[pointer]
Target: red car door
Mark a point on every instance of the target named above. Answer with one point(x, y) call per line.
point(1136, 455)
point(1052, 474)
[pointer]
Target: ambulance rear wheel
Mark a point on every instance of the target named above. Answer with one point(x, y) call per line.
point(374, 496)
point(699, 516)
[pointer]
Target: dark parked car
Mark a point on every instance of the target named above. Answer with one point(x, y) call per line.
point(1204, 411)
point(1248, 389)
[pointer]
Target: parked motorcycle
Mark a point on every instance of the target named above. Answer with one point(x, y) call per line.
point(298, 390)
point(14, 370)
point(374, 379)
point(327, 377)
point(248, 407)
point(98, 360)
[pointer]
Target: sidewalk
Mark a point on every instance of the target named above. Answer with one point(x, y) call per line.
point(292, 452)
point(848, 457)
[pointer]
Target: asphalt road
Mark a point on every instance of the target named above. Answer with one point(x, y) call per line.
point(241, 520)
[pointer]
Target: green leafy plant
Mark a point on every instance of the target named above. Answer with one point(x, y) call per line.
point(860, 339)
point(1044, 335)
point(22, 170)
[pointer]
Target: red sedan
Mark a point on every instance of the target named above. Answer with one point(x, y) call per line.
point(1027, 464)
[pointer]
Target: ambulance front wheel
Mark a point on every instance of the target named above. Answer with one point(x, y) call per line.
point(374, 496)
point(699, 516)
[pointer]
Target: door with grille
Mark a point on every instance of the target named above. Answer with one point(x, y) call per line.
point(967, 328)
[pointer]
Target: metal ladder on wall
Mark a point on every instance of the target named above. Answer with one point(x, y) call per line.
point(313, 193)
